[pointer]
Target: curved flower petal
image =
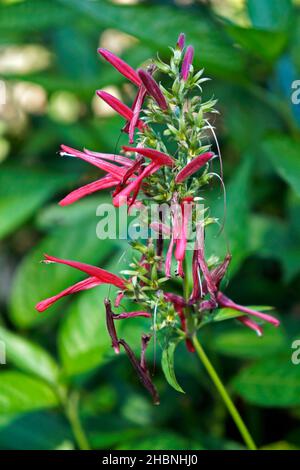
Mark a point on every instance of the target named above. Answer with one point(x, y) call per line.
point(119, 107)
point(104, 183)
point(121, 66)
point(79, 286)
point(101, 274)
point(156, 156)
point(153, 89)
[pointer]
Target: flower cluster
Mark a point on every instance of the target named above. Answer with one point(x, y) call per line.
point(161, 118)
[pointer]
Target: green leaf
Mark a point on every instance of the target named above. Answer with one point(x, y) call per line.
point(28, 356)
point(83, 340)
point(267, 45)
point(35, 281)
point(31, 15)
point(272, 382)
point(270, 14)
point(244, 343)
point(283, 153)
point(40, 430)
point(216, 52)
point(22, 192)
point(20, 393)
point(167, 363)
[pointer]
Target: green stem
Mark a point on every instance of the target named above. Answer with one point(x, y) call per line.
point(71, 410)
point(224, 394)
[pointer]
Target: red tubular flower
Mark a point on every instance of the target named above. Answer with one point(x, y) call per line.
point(110, 156)
point(119, 107)
point(124, 315)
point(153, 89)
point(175, 299)
point(88, 283)
point(101, 274)
point(134, 186)
point(187, 62)
point(143, 374)
point(114, 170)
point(193, 166)
point(226, 302)
point(181, 41)
point(156, 156)
point(121, 66)
point(103, 183)
point(111, 326)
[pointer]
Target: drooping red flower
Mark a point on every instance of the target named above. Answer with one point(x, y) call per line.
point(153, 89)
point(141, 370)
point(121, 66)
point(193, 166)
point(224, 301)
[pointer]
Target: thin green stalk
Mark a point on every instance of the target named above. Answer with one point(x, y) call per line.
point(71, 410)
point(224, 394)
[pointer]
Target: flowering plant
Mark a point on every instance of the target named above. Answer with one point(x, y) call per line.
point(168, 129)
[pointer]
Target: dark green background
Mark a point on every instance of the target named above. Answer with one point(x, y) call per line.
point(251, 52)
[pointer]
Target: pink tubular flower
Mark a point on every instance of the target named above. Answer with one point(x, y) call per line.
point(186, 208)
point(187, 62)
point(168, 262)
point(193, 166)
point(119, 107)
point(181, 41)
point(158, 157)
point(121, 66)
point(251, 324)
point(224, 301)
point(153, 89)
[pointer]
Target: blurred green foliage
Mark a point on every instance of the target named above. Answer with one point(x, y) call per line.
point(251, 51)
